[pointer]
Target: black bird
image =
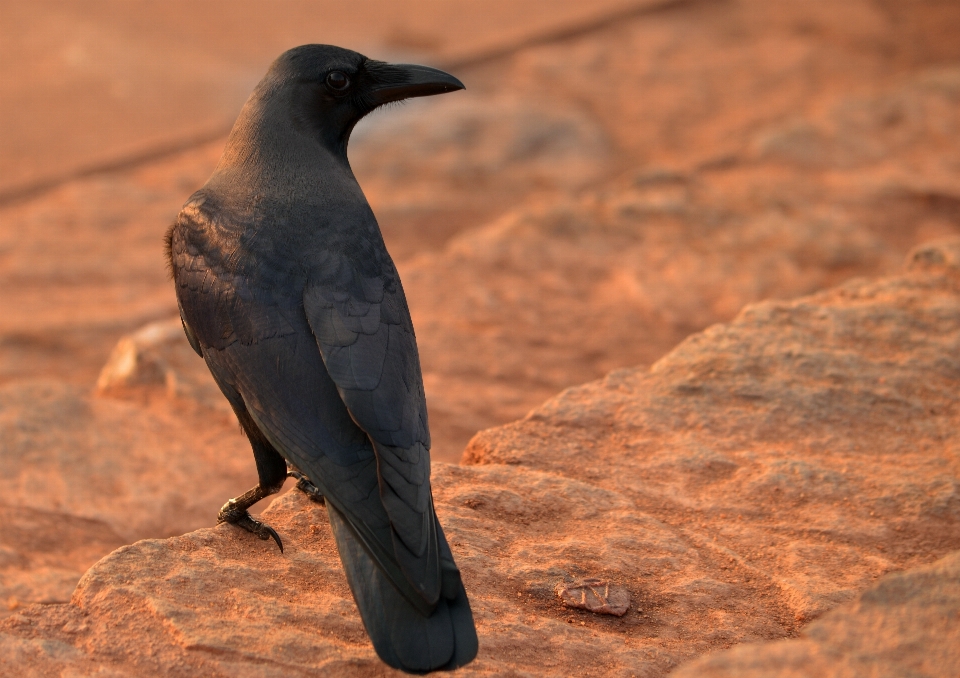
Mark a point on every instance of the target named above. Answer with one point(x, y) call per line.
point(288, 293)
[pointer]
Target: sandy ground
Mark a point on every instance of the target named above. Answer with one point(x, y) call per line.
point(593, 198)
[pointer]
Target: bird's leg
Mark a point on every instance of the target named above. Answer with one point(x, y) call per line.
point(235, 512)
point(304, 484)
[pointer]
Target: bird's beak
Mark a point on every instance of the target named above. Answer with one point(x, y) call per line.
point(393, 82)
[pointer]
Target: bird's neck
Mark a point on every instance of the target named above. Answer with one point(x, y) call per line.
point(269, 152)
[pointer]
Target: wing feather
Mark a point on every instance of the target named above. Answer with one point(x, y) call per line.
point(328, 369)
point(379, 380)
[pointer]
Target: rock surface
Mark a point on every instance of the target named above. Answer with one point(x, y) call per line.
point(98, 458)
point(43, 554)
point(763, 473)
point(116, 79)
point(905, 625)
point(585, 205)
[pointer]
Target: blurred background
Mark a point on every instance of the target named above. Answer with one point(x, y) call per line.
point(617, 175)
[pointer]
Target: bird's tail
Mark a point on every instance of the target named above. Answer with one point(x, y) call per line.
point(402, 636)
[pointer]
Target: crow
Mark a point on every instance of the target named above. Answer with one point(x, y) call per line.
point(287, 292)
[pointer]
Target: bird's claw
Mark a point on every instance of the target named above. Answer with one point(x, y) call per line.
point(310, 490)
point(259, 528)
point(230, 513)
point(306, 486)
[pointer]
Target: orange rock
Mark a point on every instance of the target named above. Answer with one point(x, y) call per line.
point(906, 624)
point(600, 199)
point(43, 554)
point(595, 595)
point(141, 469)
point(762, 474)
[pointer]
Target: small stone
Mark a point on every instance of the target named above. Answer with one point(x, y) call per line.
point(136, 360)
point(595, 595)
point(74, 627)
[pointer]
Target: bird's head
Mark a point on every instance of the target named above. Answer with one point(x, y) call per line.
point(327, 89)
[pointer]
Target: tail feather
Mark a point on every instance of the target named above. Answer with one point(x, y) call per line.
point(401, 634)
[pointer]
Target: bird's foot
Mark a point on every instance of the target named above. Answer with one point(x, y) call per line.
point(235, 512)
point(304, 484)
point(310, 490)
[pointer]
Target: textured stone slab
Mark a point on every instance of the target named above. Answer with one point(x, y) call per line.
point(908, 624)
point(764, 473)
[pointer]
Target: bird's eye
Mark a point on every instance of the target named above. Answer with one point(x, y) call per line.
point(337, 81)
